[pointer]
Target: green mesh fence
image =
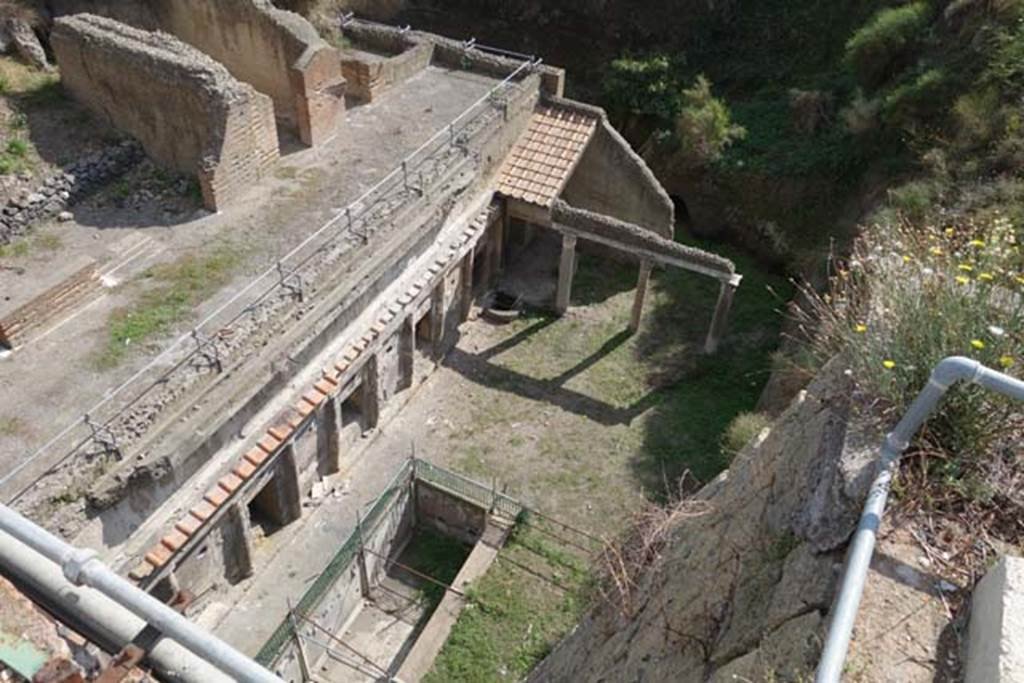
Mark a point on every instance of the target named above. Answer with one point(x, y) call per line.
point(419, 470)
point(338, 565)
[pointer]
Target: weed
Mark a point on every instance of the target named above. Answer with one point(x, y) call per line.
point(742, 430)
point(17, 148)
point(11, 426)
point(172, 293)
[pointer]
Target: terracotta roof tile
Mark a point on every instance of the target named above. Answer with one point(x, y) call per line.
point(539, 165)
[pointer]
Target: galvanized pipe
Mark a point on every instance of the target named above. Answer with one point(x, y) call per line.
point(82, 568)
point(96, 616)
point(844, 612)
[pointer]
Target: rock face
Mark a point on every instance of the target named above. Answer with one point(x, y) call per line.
point(23, 39)
point(744, 589)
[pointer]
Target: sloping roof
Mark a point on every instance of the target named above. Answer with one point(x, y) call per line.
point(541, 161)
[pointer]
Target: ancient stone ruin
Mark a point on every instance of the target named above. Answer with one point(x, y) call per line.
point(187, 110)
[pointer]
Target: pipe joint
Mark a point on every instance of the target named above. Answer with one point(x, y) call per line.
point(74, 565)
point(896, 444)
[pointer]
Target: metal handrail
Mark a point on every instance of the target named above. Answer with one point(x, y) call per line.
point(947, 373)
point(353, 212)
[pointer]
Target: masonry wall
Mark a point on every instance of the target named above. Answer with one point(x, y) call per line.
point(185, 109)
point(279, 53)
point(612, 179)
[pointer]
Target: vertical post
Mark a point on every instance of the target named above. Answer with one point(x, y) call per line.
point(299, 647)
point(566, 270)
point(438, 320)
point(406, 354)
point(330, 427)
point(641, 294)
point(238, 544)
point(721, 318)
point(466, 302)
point(364, 576)
point(498, 246)
point(371, 393)
point(287, 481)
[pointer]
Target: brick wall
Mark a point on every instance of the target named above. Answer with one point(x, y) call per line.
point(186, 110)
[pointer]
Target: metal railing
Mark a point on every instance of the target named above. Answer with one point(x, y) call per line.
point(407, 183)
point(471, 490)
point(844, 612)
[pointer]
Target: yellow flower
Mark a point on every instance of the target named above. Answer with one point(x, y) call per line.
point(966, 267)
point(962, 279)
point(978, 344)
point(906, 259)
point(977, 243)
point(936, 251)
point(888, 364)
point(1006, 361)
point(949, 232)
point(860, 328)
point(985, 277)
point(1020, 280)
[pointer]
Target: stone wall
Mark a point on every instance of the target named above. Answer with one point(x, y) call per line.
point(612, 179)
point(64, 187)
point(187, 111)
point(277, 52)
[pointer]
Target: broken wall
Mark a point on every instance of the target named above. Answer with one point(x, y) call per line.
point(278, 52)
point(186, 110)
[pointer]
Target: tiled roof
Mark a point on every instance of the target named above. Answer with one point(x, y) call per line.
point(541, 161)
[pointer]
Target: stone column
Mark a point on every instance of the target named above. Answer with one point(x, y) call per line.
point(466, 300)
point(237, 534)
point(566, 270)
point(287, 483)
point(438, 321)
point(330, 428)
point(371, 393)
point(406, 354)
point(641, 293)
point(721, 318)
point(498, 244)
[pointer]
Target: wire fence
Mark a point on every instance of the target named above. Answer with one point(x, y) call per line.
point(220, 331)
point(413, 470)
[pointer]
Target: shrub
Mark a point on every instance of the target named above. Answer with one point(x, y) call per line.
point(916, 199)
point(912, 295)
point(743, 428)
point(704, 126)
point(646, 87)
point(871, 51)
point(915, 99)
point(17, 148)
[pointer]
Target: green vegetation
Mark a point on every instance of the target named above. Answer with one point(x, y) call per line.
point(743, 428)
point(35, 243)
point(514, 617)
point(169, 294)
point(913, 294)
point(889, 35)
point(704, 126)
point(435, 555)
point(12, 426)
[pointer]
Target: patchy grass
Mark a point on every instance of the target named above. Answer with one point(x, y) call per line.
point(514, 617)
point(169, 294)
point(25, 246)
point(437, 556)
point(583, 422)
point(12, 426)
